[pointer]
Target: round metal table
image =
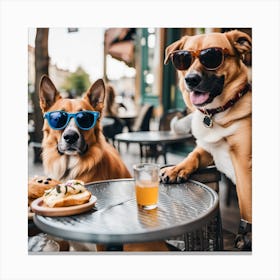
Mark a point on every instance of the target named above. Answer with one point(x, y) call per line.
point(116, 218)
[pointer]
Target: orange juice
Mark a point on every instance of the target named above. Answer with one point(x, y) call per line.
point(146, 193)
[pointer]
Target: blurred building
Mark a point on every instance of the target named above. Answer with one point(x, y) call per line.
point(56, 74)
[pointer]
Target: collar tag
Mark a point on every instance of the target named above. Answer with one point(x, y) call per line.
point(207, 120)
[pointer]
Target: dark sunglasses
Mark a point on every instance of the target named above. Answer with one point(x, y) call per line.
point(84, 119)
point(211, 58)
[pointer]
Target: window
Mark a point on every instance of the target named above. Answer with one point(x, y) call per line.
point(150, 63)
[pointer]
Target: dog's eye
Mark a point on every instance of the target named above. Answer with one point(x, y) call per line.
point(182, 60)
point(85, 119)
point(58, 119)
point(211, 58)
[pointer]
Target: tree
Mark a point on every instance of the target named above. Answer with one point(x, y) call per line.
point(77, 83)
point(41, 68)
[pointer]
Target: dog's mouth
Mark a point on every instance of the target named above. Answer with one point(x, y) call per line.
point(72, 142)
point(199, 98)
point(208, 87)
point(72, 150)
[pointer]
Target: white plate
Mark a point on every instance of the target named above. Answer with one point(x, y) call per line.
point(38, 207)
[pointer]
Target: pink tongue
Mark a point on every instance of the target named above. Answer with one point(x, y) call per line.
point(198, 98)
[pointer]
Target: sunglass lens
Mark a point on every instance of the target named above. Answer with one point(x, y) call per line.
point(211, 58)
point(85, 120)
point(57, 120)
point(182, 60)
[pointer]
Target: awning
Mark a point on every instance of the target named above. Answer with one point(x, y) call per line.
point(119, 43)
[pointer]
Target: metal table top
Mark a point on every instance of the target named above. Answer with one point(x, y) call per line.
point(181, 208)
point(151, 137)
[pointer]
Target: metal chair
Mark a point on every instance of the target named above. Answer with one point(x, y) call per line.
point(210, 236)
point(155, 151)
point(165, 119)
point(110, 131)
point(164, 125)
point(142, 122)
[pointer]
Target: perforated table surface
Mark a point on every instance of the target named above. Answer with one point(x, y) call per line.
point(116, 218)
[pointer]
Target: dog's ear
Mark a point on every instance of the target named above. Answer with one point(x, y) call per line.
point(96, 94)
point(174, 47)
point(241, 41)
point(48, 93)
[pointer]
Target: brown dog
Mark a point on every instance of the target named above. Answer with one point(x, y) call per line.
point(214, 83)
point(72, 152)
point(77, 149)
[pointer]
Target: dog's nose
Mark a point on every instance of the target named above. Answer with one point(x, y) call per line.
point(193, 80)
point(71, 136)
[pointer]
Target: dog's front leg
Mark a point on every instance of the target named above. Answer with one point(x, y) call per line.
point(198, 158)
point(244, 187)
point(241, 154)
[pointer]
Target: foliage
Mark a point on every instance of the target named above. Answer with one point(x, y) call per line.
point(77, 83)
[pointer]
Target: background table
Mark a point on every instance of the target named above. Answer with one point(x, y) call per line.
point(117, 219)
point(152, 139)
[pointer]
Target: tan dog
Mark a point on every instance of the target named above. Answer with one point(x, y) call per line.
point(214, 83)
point(72, 152)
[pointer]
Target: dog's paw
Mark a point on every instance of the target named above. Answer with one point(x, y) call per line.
point(243, 241)
point(173, 174)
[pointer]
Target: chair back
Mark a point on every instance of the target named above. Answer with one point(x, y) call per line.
point(165, 119)
point(142, 122)
point(110, 131)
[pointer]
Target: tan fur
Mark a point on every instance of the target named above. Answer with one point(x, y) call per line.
point(240, 142)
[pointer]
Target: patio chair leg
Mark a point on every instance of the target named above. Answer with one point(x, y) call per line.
point(141, 151)
point(164, 153)
point(219, 235)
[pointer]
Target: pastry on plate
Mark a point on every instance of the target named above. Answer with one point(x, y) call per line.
point(71, 193)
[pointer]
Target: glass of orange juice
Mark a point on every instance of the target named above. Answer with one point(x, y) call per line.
point(146, 177)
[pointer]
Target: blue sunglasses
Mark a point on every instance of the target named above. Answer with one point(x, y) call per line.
point(85, 120)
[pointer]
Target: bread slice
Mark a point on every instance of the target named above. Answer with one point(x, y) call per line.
point(71, 193)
